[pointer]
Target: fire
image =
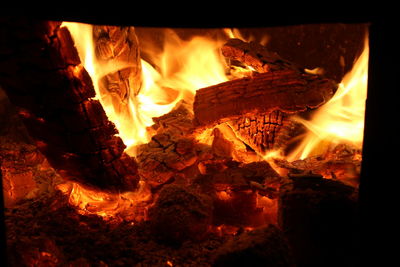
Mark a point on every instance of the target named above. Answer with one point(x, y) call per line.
point(341, 119)
point(179, 69)
point(128, 205)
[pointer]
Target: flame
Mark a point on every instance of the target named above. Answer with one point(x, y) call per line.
point(341, 119)
point(181, 67)
point(128, 205)
point(235, 33)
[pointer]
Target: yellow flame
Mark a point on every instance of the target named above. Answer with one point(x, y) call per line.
point(341, 119)
point(235, 33)
point(182, 67)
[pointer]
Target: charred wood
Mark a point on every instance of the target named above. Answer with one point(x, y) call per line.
point(285, 90)
point(178, 122)
point(264, 132)
point(271, 128)
point(256, 56)
point(43, 76)
point(343, 162)
point(165, 156)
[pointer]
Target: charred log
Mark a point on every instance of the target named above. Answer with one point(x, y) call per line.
point(43, 76)
point(256, 56)
point(263, 132)
point(271, 129)
point(343, 162)
point(285, 90)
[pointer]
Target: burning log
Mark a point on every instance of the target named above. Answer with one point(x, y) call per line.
point(44, 78)
point(181, 214)
point(286, 91)
point(164, 156)
point(257, 108)
point(118, 46)
point(256, 56)
point(318, 217)
point(261, 247)
point(178, 122)
point(264, 132)
point(343, 162)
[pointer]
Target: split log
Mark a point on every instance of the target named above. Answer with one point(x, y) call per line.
point(43, 76)
point(285, 90)
point(269, 130)
point(256, 56)
point(257, 108)
point(118, 46)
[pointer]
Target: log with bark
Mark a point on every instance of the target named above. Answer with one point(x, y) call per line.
point(262, 99)
point(43, 76)
point(255, 55)
point(257, 107)
point(284, 90)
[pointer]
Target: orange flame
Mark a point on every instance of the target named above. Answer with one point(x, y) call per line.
point(184, 66)
point(341, 119)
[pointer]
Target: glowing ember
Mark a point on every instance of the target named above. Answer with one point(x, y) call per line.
point(341, 119)
point(128, 205)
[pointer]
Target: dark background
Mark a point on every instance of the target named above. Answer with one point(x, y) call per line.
point(312, 39)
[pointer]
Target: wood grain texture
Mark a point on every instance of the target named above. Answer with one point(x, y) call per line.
point(286, 90)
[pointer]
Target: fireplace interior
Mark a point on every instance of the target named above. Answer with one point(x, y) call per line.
point(127, 145)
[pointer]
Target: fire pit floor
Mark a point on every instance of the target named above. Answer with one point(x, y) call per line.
point(57, 234)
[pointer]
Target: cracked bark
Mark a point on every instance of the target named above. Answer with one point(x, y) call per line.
point(284, 90)
point(258, 107)
point(43, 76)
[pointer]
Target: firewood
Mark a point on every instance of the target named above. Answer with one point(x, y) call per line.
point(179, 121)
point(263, 132)
point(256, 56)
point(44, 78)
point(118, 46)
point(165, 156)
point(342, 162)
point(285, 90)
